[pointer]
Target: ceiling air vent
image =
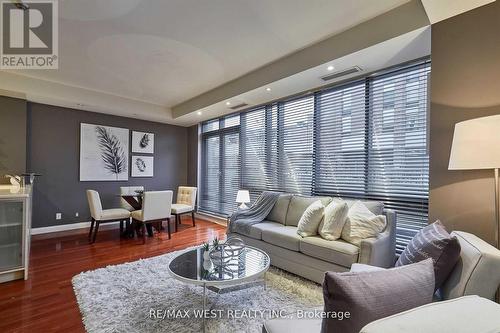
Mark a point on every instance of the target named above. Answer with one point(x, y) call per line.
point(238, 106)
point(341, 73)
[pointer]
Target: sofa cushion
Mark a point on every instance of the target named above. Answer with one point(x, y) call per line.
point(280, 208)
point(298, 204)
point(436, 243)
point(369, 296)
point(356, 267)
point(310, 220)
point(256, 229)
point(283, 236)
point(376, 207)
point(460, 315)
point(337, 251)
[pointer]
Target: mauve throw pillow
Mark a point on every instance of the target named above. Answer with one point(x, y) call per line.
point(436, 243)
point(369, 296)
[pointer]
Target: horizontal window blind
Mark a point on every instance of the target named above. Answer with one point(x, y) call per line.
point(295, 132)
point(210, 188)
point(220, 171)
point(340, 145)
point(365, 139)
point(398, 164)
point(255, 153)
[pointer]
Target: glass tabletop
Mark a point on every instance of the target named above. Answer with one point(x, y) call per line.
point(190, 267)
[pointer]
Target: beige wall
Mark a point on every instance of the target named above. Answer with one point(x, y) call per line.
point(465, 84)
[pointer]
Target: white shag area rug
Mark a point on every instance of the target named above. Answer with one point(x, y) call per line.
point(141, 296)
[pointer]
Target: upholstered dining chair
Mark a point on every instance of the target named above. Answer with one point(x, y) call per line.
point(156, 208)
point(99, 215)
point(129, 190)
point(186, 202)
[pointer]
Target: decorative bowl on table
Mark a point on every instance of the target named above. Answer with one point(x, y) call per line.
point(224, 253)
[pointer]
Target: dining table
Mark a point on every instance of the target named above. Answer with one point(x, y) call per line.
point(133, 199)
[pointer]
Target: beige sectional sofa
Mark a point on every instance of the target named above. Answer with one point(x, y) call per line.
point(311, 257)
point(475, 276)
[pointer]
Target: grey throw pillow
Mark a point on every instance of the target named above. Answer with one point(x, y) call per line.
point(436, 243)
point(369, 296)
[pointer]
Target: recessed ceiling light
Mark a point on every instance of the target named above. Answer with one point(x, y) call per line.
point(268, 89)
point(228, 103)
point(199, 113)
point(330, 68)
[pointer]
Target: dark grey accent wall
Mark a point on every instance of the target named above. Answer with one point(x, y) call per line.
point(54, 147)
point(12, 137)
point(192, 176)
point(465, 84)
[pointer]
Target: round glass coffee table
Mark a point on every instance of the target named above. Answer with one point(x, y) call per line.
point(244, 270)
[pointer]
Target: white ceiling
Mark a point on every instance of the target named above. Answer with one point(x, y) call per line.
point(155, 54)
point(438, 10)
point(402, 49)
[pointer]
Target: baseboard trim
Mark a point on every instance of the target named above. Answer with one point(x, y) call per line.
point(83, 225)
point(211, 218)
point(65, 227)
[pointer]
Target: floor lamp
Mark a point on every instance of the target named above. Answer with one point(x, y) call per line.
point(476, 145)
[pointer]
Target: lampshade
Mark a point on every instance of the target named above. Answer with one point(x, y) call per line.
point(476, 144)
point(243, 196)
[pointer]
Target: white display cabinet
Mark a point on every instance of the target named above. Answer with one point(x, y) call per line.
point(15, 232)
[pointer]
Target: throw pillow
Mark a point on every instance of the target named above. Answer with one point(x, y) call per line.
point(369, 296)
point(333, 222)
point(361, 223)
point(310, 219)
point(436, 243)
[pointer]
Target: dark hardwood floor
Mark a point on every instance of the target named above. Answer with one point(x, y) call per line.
point(46, 302)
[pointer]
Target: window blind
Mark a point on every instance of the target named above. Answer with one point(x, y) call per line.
point(365, 139)
point(340, 145)
point(398, 161)
point(210, 187)
point(295, 131)
point(220, 165)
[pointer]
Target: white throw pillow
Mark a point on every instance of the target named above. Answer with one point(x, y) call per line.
point(310, 219)
point(361, 223)
point(332, 224)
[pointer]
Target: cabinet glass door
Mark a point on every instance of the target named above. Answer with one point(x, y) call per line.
point(11, 233)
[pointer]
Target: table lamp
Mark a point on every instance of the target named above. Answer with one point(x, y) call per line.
point(243, 197)
point(476, 145)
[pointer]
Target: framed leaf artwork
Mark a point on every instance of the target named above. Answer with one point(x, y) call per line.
point(103, 153)
point(142, 166)
point(143, 142)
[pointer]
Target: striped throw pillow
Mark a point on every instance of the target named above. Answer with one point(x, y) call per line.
point(436, 243)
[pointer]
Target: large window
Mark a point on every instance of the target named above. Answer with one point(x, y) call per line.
point(366, 139)
point(220, 165)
